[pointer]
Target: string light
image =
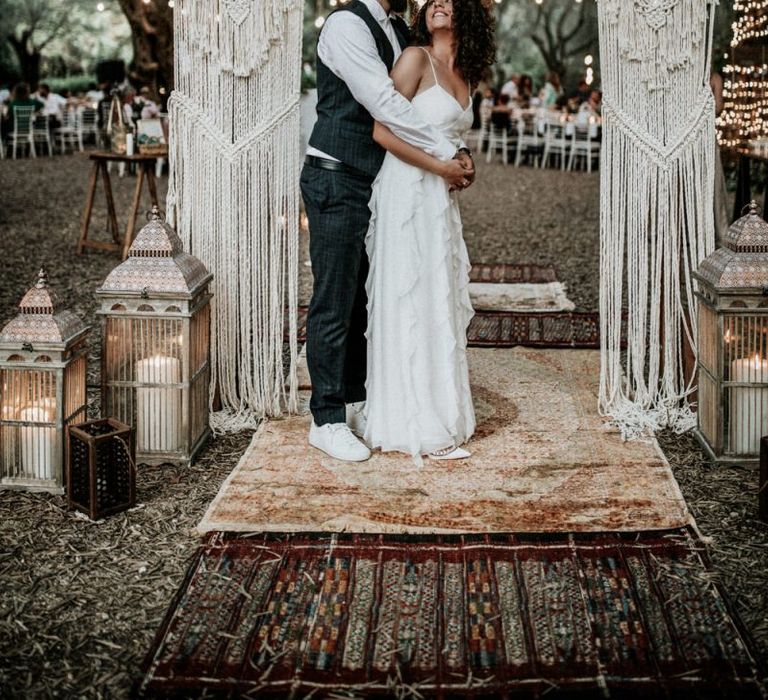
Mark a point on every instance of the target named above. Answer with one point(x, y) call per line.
point(751, 22)
point(744, 118)
point(99, 7)
point(320, 21)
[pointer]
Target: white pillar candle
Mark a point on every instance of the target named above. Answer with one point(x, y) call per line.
point(37, 443)
point(749, 406)
point(158, 410)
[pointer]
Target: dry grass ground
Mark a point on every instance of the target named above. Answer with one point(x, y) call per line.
point(81, 601)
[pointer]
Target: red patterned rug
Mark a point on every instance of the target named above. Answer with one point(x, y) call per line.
point(491, 328)
point(629, 616)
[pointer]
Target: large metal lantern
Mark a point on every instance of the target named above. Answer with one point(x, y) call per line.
point(42, 390)
point(733, 343)
point(155, 374)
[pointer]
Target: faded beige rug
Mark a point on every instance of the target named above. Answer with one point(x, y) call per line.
point(519, 297)
point(542, 461)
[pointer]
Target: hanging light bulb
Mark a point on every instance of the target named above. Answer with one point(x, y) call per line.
point(588, 59)
point(171, 4)
point(320, 21)
point(99, 7)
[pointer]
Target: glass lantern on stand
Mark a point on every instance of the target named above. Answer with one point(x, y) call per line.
point(43, 362)
point(733, 343)
point(155, 309)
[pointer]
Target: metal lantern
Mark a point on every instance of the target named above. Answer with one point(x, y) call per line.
point(733, 343)
point(155, 309)
point(42, 390)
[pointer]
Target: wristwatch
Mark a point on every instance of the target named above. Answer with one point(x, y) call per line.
point(464, 149)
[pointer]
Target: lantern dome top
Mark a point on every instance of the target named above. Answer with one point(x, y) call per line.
point(742, 262)
point(749, 234)
point(41, 318)
point(157, 264)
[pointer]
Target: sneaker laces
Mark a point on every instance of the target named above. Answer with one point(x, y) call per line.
point(342, 429)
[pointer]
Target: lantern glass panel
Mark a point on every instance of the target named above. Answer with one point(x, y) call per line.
point(75, 403)
point(145, 355)
point(745, 371)
point(200, 372)
point(30, 444)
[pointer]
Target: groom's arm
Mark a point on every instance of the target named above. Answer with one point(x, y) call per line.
point(347, 47)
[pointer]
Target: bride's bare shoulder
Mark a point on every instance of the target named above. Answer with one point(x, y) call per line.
point(409, 70)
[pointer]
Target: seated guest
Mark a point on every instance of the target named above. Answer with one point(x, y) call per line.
point(54, 104)
point(551, 91)
point(149, 108)
point(501, 114)
point(96, 94)
point(22, 98)
point(511, 86)
point(525, 91)
point(593, 105)
point(581, 93)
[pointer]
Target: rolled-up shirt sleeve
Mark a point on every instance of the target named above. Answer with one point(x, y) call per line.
point(349, 50)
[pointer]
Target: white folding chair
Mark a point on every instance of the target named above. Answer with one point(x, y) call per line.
point(477, 137)
point(23, 130)
point(499, 141)
point(41, 132)
point(529, 140)
point(88, 125)
point(584, 144)
point(68, 133)
point(556, 132)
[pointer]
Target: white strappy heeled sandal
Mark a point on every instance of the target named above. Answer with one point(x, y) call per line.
point(452, 452)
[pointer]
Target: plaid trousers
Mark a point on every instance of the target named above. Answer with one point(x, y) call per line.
point(337, 208)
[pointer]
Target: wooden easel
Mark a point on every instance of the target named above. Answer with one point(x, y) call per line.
point(145, 169)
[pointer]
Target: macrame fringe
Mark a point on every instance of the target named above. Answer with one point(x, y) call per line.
point(233, 191)
point(656, 220)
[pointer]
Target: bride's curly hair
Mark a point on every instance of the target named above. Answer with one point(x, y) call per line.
point(473, 29)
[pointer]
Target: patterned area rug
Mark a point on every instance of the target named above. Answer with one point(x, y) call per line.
point(633, 616)
point(541, 460)
point(518, 305)
point(508, 329)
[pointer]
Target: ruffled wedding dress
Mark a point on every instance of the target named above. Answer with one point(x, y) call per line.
point(418, 395)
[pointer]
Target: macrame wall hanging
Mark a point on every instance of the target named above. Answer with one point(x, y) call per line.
point(233, 190)
point(656, 212)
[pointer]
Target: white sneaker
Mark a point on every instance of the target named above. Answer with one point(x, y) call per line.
point(337, 441)
point(356, 418)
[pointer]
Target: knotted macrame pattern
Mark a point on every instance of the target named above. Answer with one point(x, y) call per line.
point(233, 191)
point(656, 220)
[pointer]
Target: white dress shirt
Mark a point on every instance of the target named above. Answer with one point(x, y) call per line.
point(54, 105)
point(510, 89)
point(348, 49)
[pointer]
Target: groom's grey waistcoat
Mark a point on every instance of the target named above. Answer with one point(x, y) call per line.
point(344, 128)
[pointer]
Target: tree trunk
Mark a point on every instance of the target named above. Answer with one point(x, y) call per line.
point(29, 60)
point(152, 32)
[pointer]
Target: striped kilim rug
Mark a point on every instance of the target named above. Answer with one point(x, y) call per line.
point(627, 616)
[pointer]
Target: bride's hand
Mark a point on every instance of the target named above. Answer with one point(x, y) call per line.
point(455, 174)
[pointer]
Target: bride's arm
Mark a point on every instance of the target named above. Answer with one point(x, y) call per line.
point(406, 76)
point(452, 170)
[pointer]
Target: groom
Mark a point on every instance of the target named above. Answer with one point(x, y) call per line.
point(357, 48)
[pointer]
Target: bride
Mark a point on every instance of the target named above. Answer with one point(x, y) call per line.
point(418, 394)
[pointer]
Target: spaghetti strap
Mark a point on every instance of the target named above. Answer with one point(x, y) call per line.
point(431, 64)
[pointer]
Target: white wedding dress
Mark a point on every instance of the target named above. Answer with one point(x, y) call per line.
point(418, 395)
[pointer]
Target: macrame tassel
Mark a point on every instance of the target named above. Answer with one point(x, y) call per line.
point(233, 191)
point(656, 221)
